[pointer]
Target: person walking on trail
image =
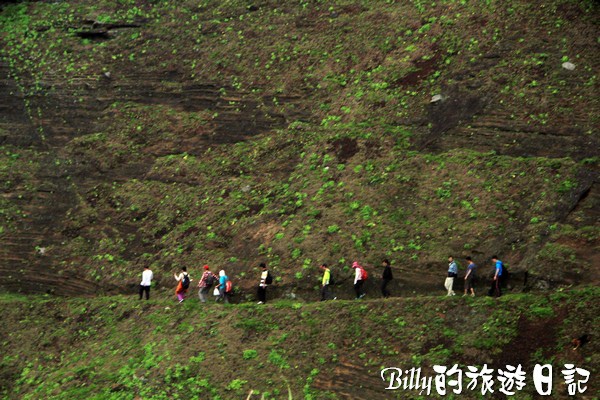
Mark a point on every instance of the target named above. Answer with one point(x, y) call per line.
point(326, 282)
point(265, 280)
point(498, 276)
point(470, 277)
point(147, 277)
point(183, 283)
point(452, 273)
point(206, 282)
point(223, 293)
point(360, 275)
point(386, 278)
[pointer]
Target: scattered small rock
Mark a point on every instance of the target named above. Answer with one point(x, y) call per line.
point(568, 66)
point(246, 188)
point(542, 285)
point(291, 295)
point(436, 98)
point(107, 75)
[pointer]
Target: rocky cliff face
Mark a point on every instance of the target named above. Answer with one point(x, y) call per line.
point(61, 172)
point(167, 135)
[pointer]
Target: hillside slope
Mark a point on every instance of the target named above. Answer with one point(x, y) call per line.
point(180, 133)
point(118, 348)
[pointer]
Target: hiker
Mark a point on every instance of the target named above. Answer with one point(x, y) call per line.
point(325, 282)
point(208, 279)
point(360, 275)
point(183, 284)
point(470, 277)
point(146, 282)
point(386, 277)
point(265, 280)
point(223, 293)
point(498, 276)
point(452, 273)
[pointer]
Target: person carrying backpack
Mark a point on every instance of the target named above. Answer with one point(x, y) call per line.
point(208, 279)
point(452, 273)
point(265, 280)
point(326, 282)
point(224, 285)
point(498, 276)
point(183, 283)
point(360, 276)
point(386, 277)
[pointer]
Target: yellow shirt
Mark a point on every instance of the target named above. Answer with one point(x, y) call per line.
point(326, 276)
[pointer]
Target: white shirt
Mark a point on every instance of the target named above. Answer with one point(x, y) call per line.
point(146, 278)
point(357, 275)
point(180, 276)
point(263, 278)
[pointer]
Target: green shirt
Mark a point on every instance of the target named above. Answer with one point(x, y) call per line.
point(326, 276)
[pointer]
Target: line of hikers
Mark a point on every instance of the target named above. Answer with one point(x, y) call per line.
point(500, 276)
point(224, 286)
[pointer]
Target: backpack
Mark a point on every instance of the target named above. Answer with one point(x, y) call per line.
point(505, 273)
point(228, 286)
point(363, 274)
point(331, 280)
point(210, 280)
point(185, 282)
point(269, 279)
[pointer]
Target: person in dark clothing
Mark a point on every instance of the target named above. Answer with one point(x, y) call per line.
point(470, 277)
point(386, 278)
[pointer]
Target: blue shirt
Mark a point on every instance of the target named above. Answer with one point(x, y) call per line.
point(499, 267)
point(471, 268)
point(453, 267)
point(223, 281)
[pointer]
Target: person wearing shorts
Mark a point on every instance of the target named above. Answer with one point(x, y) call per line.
point(470, 277)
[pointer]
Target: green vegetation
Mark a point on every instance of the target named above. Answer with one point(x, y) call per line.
point(343, 170)
point(169, 134)
point(114, 347)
